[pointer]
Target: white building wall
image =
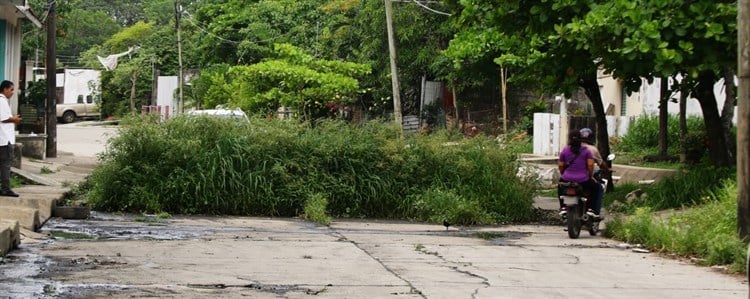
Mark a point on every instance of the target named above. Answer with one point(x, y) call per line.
point(84, 82)
point(652, 90)
point(646, 100)
point(165, 95)
point(12, 52)
point(611, 94)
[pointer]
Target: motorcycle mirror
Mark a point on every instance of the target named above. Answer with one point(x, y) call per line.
point(610, 157)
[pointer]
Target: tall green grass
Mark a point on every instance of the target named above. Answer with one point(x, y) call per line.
point(708, 232)
point(691, 186)
point(643, 133)
point(204, 165)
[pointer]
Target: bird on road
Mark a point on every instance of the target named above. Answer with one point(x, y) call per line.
point(446, 224)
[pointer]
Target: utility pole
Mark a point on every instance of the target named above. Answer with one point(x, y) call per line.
point(743, 118)
point(394, 68)
point(51, 81)
point(504, 91)
point(180, 76)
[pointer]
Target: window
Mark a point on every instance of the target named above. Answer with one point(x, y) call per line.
point(89, 99)
point(80, 99)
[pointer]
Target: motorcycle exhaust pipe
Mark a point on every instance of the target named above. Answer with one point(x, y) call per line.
point(585, 217)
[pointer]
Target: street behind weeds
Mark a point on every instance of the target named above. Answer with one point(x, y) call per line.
point(204, 165)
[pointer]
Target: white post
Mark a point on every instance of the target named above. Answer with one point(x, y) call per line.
point(563, 122)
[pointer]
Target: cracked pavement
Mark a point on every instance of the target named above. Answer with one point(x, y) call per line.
point(198, 257)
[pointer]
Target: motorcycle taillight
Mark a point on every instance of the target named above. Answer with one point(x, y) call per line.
point(570, 191)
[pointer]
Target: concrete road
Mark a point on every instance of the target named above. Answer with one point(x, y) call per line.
point(232, 257)
point(84, 139)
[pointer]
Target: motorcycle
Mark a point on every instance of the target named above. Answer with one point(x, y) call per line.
point(578, 216)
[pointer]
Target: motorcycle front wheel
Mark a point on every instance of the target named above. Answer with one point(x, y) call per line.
point(574, 221)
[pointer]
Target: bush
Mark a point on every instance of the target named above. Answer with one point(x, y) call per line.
point(691, 186)
point(207, 165)
point(643, 133)
point(708, 232)
point(315, 209)
point(437, 205)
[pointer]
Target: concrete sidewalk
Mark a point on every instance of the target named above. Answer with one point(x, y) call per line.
point(46, 182)
point(622, 173)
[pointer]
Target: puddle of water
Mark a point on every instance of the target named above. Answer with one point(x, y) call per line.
point(20, 269)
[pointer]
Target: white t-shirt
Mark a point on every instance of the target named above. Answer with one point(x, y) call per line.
point(7, 130)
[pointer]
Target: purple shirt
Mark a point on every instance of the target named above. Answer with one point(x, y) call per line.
point(578, 169)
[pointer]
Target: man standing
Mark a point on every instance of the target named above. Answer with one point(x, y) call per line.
point(8, 124)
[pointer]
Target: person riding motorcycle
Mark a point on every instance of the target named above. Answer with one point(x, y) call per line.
point(576, 164)
point(588, 141)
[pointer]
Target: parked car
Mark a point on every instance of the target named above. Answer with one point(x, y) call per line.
point(68, 113)
point(223, 113)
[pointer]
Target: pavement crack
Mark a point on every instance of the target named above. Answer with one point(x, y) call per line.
point(485, 282)
point(277, 289)
point(342, 238)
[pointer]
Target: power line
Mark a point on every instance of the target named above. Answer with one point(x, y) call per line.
point(190, 19)
point(430, 9)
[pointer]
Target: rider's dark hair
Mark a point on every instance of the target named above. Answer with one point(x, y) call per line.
point(574, 141)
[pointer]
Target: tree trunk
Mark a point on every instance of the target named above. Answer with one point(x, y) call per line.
point(717, 143)
point(743, 122)
point(663, 118)
point(727, 112)
point(591, 86)
point(504, 86)
point(133, 79)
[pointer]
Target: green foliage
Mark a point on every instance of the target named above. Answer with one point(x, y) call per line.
point(643, 133)
point(315, 209)
point(436, 206)
point(691, 186)
point(707, 232)
point(295, 80)
point(219, 166)
point(129, 36)
point(687, 188)
point(82, 29)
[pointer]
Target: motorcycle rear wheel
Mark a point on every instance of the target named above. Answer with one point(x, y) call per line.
point(574, 221)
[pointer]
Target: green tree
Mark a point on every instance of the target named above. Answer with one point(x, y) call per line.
point(124, 12)
point(527, 35)
point(243, 32)
point(421, 36)
point(128, 86)
point(82, 30)
point(652, 38)
point(293, 79)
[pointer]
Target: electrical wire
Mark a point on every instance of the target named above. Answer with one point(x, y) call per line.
point(190, 19)
point(430, 9)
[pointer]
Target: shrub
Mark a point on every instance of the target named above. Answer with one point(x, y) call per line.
point(643, 133)
point(436, 205)
point(315, 209)
point(708, 232)
point(691, 186)
point(208, 165)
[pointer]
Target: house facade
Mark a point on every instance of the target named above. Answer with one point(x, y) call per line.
point(550, 130)
point(645, 101)
point(12, 14)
